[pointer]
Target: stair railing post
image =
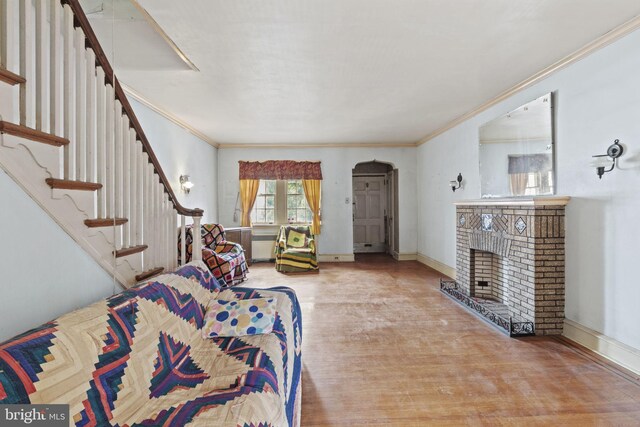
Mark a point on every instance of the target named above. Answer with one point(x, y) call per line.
point(197, 239)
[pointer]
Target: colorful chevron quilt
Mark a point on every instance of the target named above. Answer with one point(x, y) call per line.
point(138, 359)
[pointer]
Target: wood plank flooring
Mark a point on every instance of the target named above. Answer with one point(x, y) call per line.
point(383, 347)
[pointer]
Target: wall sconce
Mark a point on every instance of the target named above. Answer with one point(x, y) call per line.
point(457, 183)
point(185, 183)
point(602, 161)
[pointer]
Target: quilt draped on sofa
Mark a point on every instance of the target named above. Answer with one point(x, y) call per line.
point(139, 359)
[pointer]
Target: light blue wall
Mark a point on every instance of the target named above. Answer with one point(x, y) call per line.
point(45, 273)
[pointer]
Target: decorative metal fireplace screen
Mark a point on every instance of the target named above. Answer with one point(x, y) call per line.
point(505, 323)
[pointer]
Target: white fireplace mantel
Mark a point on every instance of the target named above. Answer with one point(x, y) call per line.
point(517, 201)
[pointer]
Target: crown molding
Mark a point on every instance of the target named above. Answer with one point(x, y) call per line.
point(602, 41)
point(167, 115)
point(324, 145)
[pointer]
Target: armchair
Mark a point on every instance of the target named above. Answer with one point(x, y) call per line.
point(225, 260)
point(296, 250)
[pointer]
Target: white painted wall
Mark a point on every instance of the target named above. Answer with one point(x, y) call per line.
point(44, 272)
point(180, 152)
point(337, 163)
point(597, 101)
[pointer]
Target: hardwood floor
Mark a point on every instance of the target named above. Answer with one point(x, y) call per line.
point(382, 346)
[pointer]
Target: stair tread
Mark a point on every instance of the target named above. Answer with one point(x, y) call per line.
point(104, 222)
point(32, 134)
point(129, 251)
point(10, 77)
point(149, 273)
point(67, 184)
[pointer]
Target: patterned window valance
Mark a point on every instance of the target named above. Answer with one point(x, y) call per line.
point(280, 169)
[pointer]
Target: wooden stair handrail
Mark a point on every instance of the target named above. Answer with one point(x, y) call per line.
point(80, 20)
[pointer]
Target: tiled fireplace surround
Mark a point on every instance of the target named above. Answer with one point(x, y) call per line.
point(517, 247)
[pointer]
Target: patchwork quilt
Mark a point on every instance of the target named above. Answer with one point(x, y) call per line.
point(226, 260)
point(138, 359)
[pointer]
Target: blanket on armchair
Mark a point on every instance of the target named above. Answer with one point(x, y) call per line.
point(138, 359)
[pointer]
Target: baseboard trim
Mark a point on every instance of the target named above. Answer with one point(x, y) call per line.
point(404, 256)
point(437, 265)
point(607, 347)
point(336, 258)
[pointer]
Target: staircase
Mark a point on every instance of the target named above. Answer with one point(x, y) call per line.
point(70, 139)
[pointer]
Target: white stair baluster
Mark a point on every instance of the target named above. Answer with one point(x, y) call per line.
point(81, 106)
point(27, 63)
point(133, 185)
point(126, 182)
point(101, 133)
point(42, 58)
point(4, 33)
point(90, 154)
point(110, 149)
point(174, 239)
point(118, 172)
point(183, 240)
point(140, 193)
point(168, 239)
point(68, 92)
point(163, 228)
point(55, 68)
point(151, 204)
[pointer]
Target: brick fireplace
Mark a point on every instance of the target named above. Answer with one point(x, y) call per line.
point(510, 262)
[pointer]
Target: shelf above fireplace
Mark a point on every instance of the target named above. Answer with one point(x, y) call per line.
point(517, 201)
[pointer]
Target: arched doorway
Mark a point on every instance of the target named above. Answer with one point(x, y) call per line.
point(375, 207)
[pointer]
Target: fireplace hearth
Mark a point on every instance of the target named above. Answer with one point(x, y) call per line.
point(510, 263)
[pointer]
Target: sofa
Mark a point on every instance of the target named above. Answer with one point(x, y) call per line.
point(138, 358)
point(225, 259)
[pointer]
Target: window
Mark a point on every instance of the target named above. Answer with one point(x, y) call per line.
point(281, 202)
point(297, 208)
point(264, 210)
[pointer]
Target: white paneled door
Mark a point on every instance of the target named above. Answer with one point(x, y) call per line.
point(369, 205)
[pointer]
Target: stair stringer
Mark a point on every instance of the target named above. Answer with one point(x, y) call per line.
point(29, 163)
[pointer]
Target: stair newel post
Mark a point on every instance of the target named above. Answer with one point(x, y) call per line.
point(68, 101)
point(90, 126)
point(197, 239)
point(183, 239)
point(126, 181)
point(55, 68)
point(27, 63)
point(101, 121)
point(118, 172)
point(42, 66)
point(81, 106)
point(109, 153)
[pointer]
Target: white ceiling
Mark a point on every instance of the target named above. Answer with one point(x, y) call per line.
point(347, 71)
